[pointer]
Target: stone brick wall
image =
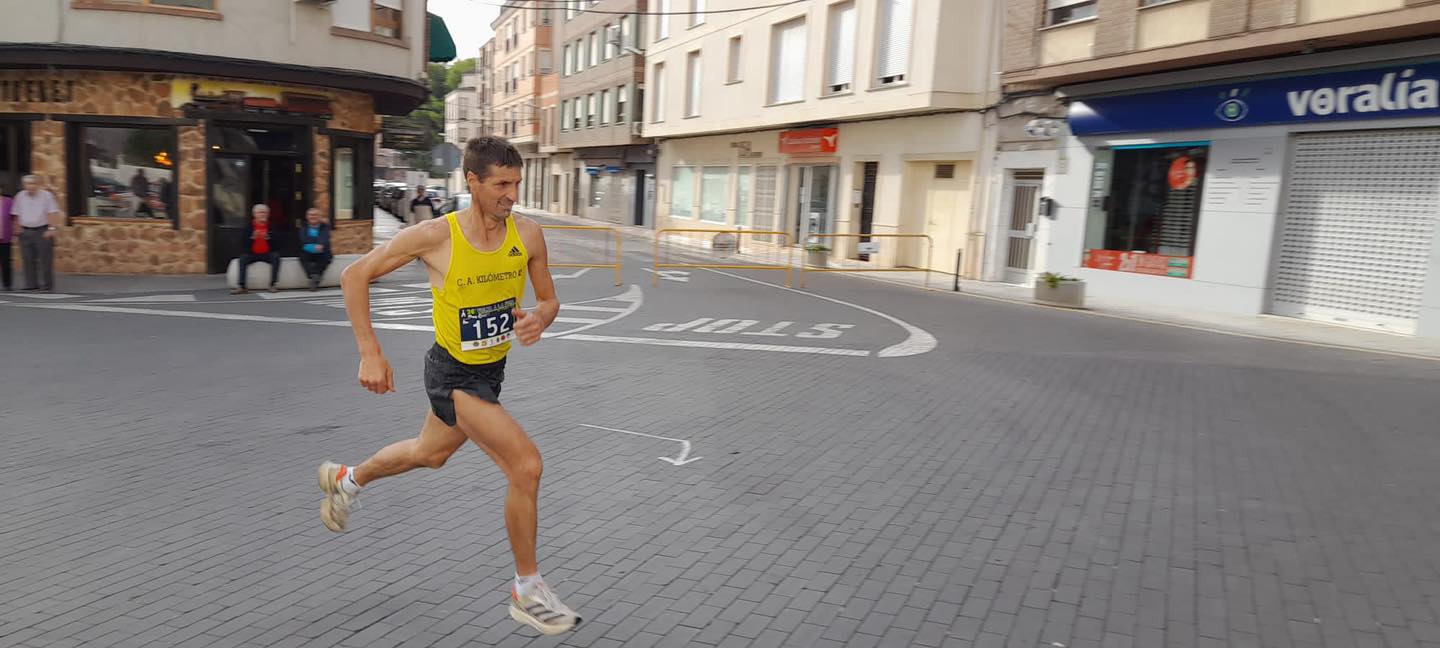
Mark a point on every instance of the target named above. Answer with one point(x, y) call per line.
point(352, 237)
point(1228, 17)
point(1115, 27)
point(109, 245)
point(1266, 14)
point(1020, 46)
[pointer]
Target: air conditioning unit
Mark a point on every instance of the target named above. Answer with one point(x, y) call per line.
point(637, 129)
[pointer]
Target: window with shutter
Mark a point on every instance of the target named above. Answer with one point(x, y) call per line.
point(733, 62)
point(594, 49)
point(662, 20)
point(1059, 12)
point(692, 84)
point(658, 93)
point(893, 57)
point(605, 108)
point(620, 100)
point(787, 62)
point(840, 54)
point(697, 13)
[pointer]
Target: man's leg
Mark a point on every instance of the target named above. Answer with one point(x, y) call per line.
point(7, 271)
point(274, 260)
point(243, 264)
point(28, 258)
point(500, 436)
point(437, 441)
point(47, 263)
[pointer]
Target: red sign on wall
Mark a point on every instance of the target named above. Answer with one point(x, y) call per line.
point(1140, 263)
point(813, 141)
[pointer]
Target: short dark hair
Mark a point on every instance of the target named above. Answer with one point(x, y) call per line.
point(481, 152)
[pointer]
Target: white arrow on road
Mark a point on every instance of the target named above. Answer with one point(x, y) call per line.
point(678, 460)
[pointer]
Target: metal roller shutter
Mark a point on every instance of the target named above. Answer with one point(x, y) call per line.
point(1359, 224)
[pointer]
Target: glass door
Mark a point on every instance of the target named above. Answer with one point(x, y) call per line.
point(814, 201)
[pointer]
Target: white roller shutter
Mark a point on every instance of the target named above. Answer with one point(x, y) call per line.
point(894, 55)
point(1359, 225)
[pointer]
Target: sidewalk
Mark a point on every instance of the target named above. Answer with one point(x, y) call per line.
point(1267, 327)
point(119, 284)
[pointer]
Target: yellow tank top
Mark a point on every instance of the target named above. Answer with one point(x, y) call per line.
point(473, 312)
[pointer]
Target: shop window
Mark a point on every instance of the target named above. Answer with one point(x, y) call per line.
point(351, 197)
point(14, 155)
point(1145, 208)
point(682, 192)
point(125, 172)
point(714, 191)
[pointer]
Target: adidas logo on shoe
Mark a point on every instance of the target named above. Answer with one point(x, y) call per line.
point(515, 251)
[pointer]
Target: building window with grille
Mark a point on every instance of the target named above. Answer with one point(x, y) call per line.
point(1145, 208)
point(1060, 12)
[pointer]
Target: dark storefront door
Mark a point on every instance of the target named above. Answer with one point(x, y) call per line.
point(256, 166)
point(14, 155)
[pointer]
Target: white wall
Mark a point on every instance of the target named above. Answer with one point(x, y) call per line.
point(249, 29)
point(949, 58)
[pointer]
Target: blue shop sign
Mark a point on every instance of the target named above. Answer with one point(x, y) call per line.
point(1382, 93)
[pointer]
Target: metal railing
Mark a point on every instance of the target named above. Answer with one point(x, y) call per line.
point(929, 252)
point(739, 234)
point(611, 232)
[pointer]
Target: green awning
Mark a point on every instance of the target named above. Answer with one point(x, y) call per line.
point(442, 46)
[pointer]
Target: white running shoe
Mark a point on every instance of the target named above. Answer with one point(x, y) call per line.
point(541, 609)
point(335, 509)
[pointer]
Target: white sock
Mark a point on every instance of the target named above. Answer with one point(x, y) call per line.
point(347, 483)
point(524, 583)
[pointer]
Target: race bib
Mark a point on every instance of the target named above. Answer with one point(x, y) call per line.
point(482, 327)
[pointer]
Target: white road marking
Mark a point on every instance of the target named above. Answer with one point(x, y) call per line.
point(598, 309)
point(42, 295)
point(699, 344)
point(572, 275)
point(670, 275)
point(632, 299)
point(153, 299)
point(679, 460)
point(580, 320)
point(170, 313)
point(918, 340)
point(332, 292)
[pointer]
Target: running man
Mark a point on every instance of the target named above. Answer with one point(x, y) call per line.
point(477, 261)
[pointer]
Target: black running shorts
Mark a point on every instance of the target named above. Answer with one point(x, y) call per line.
point(444, 374)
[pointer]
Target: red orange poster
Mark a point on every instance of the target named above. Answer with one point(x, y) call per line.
point(1140, 263)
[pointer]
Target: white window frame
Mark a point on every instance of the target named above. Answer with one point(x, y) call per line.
point(657, 96)
point(591, 114)
point(891, 35)
point(569, 64)
point(612, 48)
point(693, 79)
point(840, 48)
point(662, 20)
point(735, 59)
point(777, 93)
point(697, 15)
point(690, 208)
point(726, 193)
point(1065, 12)
point(594, 48)
point(622, 101)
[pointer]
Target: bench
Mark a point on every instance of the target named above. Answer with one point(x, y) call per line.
point(292, 274)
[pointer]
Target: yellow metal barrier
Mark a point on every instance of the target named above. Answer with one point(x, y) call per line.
point(784, 238)
point(614, 233)
point(929, 252)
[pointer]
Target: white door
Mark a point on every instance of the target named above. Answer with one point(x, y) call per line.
point(1024, 203)
point(1359, 223)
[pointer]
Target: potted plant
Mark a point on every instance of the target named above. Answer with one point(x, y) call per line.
point(1052, 289)
point(817, 254)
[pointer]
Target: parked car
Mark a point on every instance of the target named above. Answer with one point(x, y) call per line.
point(454, 203)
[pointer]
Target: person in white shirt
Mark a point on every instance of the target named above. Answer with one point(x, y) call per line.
point(38, 214)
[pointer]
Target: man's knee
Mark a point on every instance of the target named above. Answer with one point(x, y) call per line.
point(526, 470)
point(433, 458)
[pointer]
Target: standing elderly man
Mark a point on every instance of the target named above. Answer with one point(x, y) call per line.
point(39, 217)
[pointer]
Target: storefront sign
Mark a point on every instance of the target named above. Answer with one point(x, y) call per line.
point(220, 96)
point(1382, 93)
point(1139, 263)
point(37, 90)
point(814, 141)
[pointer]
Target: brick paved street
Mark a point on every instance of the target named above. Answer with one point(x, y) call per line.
point(1038, 478)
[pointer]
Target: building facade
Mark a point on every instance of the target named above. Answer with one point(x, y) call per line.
point(463, 108)
point(523, 54)
point(1243, 156)
point(158, 123)
point(602, 71)
point(862, 117)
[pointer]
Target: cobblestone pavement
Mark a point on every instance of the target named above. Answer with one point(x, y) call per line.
point(858, 465)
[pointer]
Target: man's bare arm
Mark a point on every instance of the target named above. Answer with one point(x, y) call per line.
point(408, 245)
